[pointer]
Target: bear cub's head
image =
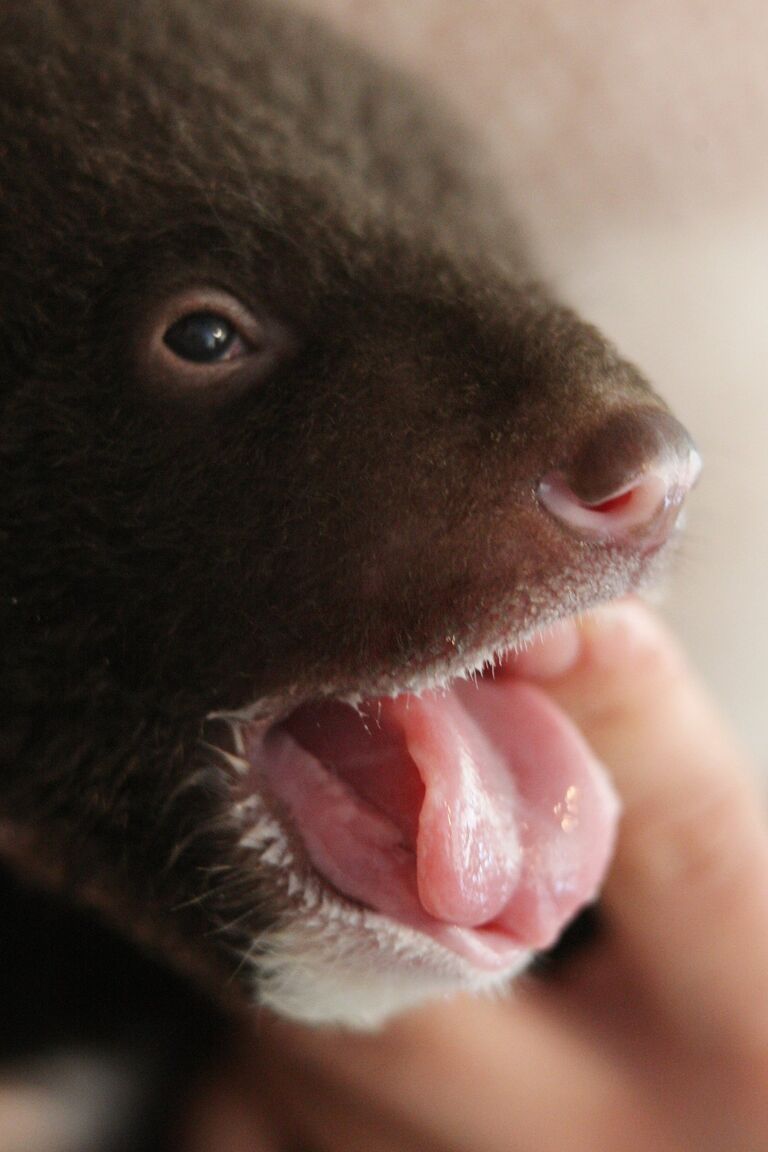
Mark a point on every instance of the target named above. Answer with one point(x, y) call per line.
point(294, 450)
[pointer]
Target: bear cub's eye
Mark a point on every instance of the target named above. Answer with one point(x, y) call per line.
point(204, 338)
point(205, 342)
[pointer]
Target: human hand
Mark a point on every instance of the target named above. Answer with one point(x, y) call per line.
point(654, 1039)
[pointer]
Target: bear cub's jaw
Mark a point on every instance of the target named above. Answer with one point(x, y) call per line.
point(422, 840)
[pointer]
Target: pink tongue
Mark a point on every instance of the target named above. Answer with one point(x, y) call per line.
point(469, 855)
point(510, 815)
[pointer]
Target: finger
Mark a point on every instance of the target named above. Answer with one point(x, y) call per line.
point(469, 1077)
point(688, 891)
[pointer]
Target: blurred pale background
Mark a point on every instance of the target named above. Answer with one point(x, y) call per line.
point(633, 135)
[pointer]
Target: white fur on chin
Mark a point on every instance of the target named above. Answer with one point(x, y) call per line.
point(359, 979)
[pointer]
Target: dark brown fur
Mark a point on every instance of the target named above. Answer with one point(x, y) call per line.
point(165, 556)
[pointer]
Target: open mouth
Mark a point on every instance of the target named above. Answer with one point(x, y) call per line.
point(474, 813)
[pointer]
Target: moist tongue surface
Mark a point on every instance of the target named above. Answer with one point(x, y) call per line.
point(508, 814)
point(468, 857)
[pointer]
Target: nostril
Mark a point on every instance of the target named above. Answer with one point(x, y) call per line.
point(616, 516)
point(613, 503)
point(629, 480)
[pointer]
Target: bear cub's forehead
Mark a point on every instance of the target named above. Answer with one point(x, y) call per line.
point(232, 140)
point(237, 104)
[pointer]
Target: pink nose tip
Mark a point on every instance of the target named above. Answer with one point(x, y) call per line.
point(628, 481)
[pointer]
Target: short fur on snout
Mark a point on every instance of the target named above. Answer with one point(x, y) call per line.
point(362, 519)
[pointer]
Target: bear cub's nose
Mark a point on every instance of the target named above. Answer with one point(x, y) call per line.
point(627, 481)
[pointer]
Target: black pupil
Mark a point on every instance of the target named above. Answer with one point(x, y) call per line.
point(202, 337)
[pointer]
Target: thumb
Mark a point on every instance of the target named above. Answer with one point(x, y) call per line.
point(687, 895)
